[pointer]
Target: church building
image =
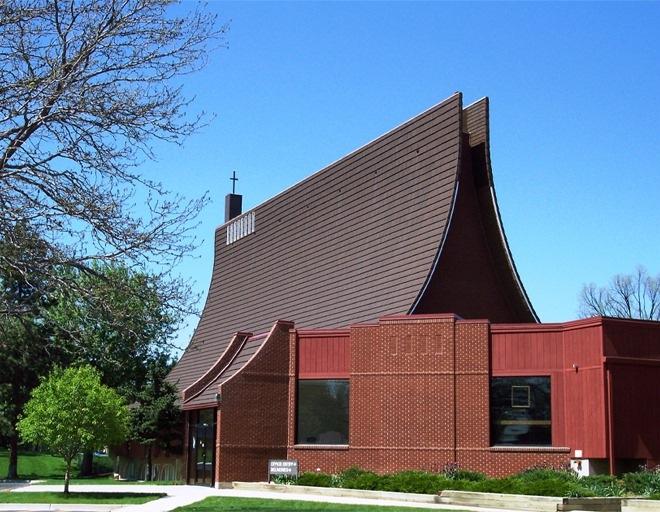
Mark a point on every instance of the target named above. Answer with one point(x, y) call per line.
point(372, 315)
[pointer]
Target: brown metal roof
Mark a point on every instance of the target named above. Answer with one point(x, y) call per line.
point(351, 243)
point(354, 242)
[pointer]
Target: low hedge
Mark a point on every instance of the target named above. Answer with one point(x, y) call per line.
point(537, 482)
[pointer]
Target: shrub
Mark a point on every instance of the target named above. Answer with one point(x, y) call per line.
point(602, 485)
point(284, 480)
point(420, 482)
point(355, 478)
point(500, 485)
point(537, 481)
point(470, 476)
point(315, 479)
point(555, 487)
point(643, 482)
point(545, 473)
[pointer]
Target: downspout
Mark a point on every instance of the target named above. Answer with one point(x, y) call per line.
point(610, 422)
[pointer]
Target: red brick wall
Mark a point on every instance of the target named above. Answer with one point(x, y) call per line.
point(418, 400)
point(252, 418)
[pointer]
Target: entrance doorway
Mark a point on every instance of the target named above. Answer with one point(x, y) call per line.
point(201, 447)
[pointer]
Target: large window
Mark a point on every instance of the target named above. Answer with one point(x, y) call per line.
point(520, 411)
point(322, 412)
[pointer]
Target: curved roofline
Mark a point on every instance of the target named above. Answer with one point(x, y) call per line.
point(216, 370)
point(509, 256)
point(445, 233)
point(269, 336)
point(345, 157)
point(438, 254)
point(498, 216)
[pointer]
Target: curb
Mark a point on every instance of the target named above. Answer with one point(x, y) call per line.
point(52, 507)
point(637, 505)
point(336, 492)
point(531, 503)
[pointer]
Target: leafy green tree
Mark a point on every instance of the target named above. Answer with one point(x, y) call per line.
point(155, 419)
point(27, 350)
point(71, 411)
point(119, 321)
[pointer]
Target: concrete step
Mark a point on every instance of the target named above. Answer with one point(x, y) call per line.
point(595, 504)
point(532, 503)
point(637, 505)
point(495, 500)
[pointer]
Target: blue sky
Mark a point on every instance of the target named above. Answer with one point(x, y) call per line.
point(575, 118)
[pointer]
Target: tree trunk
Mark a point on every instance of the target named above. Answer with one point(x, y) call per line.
point(67, 477)
point(86, 465)
point(14, 408)
point(149, 463)
point(12, 469)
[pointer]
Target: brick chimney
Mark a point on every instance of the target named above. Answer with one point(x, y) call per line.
point(233, 206)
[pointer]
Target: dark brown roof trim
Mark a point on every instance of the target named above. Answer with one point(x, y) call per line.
point(485, 104)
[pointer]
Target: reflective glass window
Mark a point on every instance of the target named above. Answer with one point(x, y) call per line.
point(322, 412)
point(520, 411)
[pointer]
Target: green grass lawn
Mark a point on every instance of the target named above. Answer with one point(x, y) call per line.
point(254, 504)
point(118, 498)
point(50, 469)
point(33, 466)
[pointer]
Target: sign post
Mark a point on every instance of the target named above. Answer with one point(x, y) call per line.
point(277, 467)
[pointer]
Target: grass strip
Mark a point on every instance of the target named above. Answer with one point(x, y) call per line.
point(214, 504)
point(115, 498)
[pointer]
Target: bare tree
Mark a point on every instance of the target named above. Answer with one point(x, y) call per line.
point(626, 296)
point(85, 88)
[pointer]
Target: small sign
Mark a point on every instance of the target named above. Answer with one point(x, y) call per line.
point(282, 467)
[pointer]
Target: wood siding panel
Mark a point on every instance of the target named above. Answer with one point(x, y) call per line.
point(324, 357)
point(637, 411)
point(578, 399)
point(583, 347)
point(524, 351)
point(353, 242)
point(626, 338)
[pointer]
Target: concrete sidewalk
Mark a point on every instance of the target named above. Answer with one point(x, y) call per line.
point(177, 496)
point(8, 485)
point(182, 495)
